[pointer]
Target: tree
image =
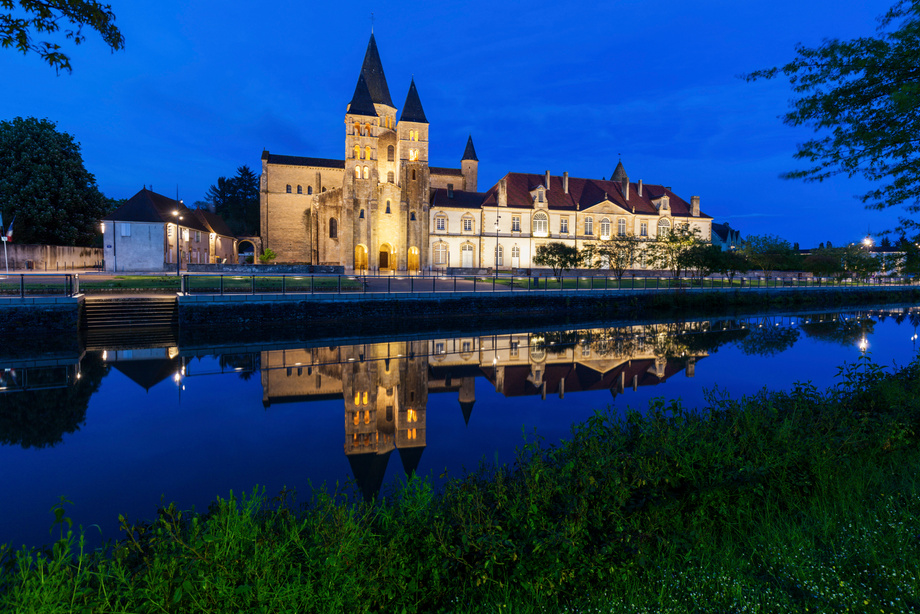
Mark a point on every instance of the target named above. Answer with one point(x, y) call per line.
point(769, 252)
point(37, 17)
point(236, 200)
point(617, 253)
point(824, 261)
point(558, 256)
point(44, 184)
point(861, 99)
point(672, 250)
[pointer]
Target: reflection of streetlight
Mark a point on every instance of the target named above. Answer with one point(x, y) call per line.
point(863, 345)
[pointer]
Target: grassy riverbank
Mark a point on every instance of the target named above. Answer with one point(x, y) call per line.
point(784, 502)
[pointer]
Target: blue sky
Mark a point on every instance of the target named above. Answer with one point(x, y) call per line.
point(202, 87)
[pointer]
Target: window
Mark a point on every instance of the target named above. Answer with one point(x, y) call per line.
point(413, 155)
point(515, 223)
point(413, 174)
point(621, 227)
point(361, 215)
point(367, 173)
point(589, 225)
point(357, 129)
point(540, 224)
point(540, 196)
point(439, 348)
point(440, 253)
point(288, 188)
point(643, 229)
point(197, 236)
point(515, 252)
point(466, 347)
point(467, 224)
point(564, 226)
point(390, 177)
point(391, 152)
point(367, 152)
point(413, 135)
point(499, 255)
point(388, 206)
point(309, 189)
point(367, 129)
point(357, 172)
point(125, 230)
point(333, 228)
point(357, 152)
point(412, 216)
point(605, 228)
point(440, 223)
point(663, 227)
point(299, 190)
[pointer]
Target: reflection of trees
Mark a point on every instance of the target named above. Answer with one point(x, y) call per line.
point(248, 363)
point(768, 340)
point(39, 418)
point(835, 329)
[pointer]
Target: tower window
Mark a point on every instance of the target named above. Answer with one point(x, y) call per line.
point(300, 189)
point(333, 228)
point(357, 129)
point(367, 128)
point(367, 173)
point(288, 189)
point(309, 189)
point(391, 153)
point(390, 177)
point(367, 152)
point(413, 155)
point(388, 206)
point(412, 216)
point(357, 172)
point(413, 174)
point(361, 215)
point(357, 152)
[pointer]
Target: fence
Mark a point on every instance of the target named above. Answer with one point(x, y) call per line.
point(39, 284)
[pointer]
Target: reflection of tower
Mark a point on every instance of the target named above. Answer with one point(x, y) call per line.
point(467, 397)
point(385, 388)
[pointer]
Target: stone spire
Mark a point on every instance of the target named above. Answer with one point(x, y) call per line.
point(372, 71)
point(361, 103)
point(619, 174)
point(470, 152)
point(412, 110)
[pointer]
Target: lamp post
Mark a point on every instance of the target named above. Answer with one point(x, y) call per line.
point(497, 219)
point(178, 236)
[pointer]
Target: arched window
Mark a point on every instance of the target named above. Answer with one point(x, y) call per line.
point(540, 224)
point(413, 174)
point(605, 228)
point(413, 155)
point(361, 215)
point(367, 152)
point(357, 152)
point(357, 172)
point(333, 228)
point(367, 129)
point(621, 227)
point(367, 173)
point(390, 177)
point(309, 189)
point(388, 206)
point(499, 255)
point(440, 253)
point(391, 153)
point(288, 189)
point(300, 189)
point(412, 216)
point(357, 129)
point(663, 227)
point(589, 225)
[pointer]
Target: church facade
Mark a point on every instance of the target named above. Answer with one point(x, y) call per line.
point(383, 207)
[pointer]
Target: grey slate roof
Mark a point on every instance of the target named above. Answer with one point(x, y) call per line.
point(440, 170)
point(620, 173)
point(470, 152)
point(302, 161)
point(372, 70)
point(147, 206)
point(361, 103)
point(461, 199)
point(412, 110)
point(214, 222)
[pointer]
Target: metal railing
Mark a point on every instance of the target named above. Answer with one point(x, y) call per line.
point(22, 285)
point(285, 284)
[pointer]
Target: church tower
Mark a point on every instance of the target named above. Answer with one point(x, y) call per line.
point(412, 151)
point(469, 163)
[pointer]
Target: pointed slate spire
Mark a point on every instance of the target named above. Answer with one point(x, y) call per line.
point(467, 408)
point(361, 103)
point(470, 152)
point(369, 470)
point(620, 173)
point(410, 458)
point(412, 110)
point(372, 70)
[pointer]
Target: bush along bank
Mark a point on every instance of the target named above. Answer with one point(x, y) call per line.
point(793, 501)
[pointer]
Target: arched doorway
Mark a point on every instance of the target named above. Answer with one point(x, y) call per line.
point(413, 259)
point(247, 251)
point(386, 257)
point(360, 258)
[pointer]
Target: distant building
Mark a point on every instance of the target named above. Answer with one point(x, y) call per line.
point(383, 207)
point(725, 237)
point(142, 235)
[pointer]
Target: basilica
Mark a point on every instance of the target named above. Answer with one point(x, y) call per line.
point(383, 208)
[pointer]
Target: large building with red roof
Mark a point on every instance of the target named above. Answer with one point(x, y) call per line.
point(384, 208)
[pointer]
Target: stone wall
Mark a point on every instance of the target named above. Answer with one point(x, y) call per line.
point(42, 258)
point(40, 314)
point(267, 269)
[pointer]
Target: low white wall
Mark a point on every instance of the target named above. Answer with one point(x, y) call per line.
point(42, 258)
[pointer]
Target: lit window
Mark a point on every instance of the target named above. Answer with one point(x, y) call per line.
point(197, 236)
point(589, 225)
point(439, 348)
point(367, 129)
point(605, 228)
point(411, 416)
point(367, 152)
point(413, 155)
point(367, 173)
point(440, 223)
point(358, 172)
point(287, 189)
point(125, 230)
point(515, 223)
point(467, 224)
point(540, 224)
point(357, 129)
point(564, 226)
point(643, 229)
point(357, 152)
point(499, 255)
point(621, 227)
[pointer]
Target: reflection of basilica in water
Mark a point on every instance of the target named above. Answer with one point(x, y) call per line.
point(385, 386)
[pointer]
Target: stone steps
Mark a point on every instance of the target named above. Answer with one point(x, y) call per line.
point(130, 312)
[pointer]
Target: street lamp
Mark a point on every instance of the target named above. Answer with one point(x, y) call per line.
point(178, 252)
point(497, 219)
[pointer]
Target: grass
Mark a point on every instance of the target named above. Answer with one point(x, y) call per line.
point(793, 501)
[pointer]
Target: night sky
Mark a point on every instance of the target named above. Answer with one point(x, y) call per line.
point(202, 87)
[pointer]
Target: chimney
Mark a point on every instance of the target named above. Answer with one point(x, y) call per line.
point(565, 182)
point(626, 188)
point(695, 206)
point(547, 180)
point(503, 193)
point(639, 190)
